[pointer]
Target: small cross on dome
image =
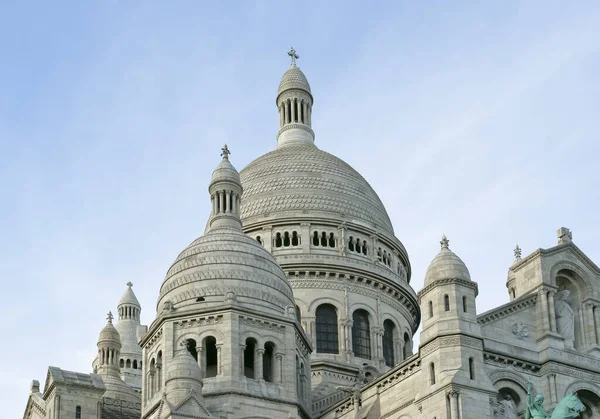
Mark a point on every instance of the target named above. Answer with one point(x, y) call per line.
point(292, 53)
point(110, 317)
point(129, 284)
point(517, 253)
point(225, 152)
point(444, 242)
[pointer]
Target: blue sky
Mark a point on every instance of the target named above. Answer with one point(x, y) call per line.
point(478, 120)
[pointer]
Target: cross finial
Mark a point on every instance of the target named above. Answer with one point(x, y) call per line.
point(225, 152)
point(110, 317)
point(444, 242)
point(517, 253)
point(129, 284)
point(294, 56)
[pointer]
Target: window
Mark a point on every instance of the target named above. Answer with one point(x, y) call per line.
point(432, 374)
point(278, 241)
point(286, 239)
point(471, 368)
point(249, 353)
point(430, 309)
point(464, 303)
point(78, 412)
point(259, 240)
point(364, 247)
point(135, 364)
point(331, 240)
point(122, 363)
point(128, 363)
point(388, 343)
point(295, 239)
point(298, 314)
point(191, 347)
point(407, 346)
point(446, 302)
point(361, 334)
point(351, 244)
point(323, 239)
point(210, 351)
point(268, 359)
point(327, 329)
point(315, 238)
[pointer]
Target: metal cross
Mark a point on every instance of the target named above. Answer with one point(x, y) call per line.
point(225, 152)
point(294, 56)
point(110, 317)
point(517, 252)
point(444, 242)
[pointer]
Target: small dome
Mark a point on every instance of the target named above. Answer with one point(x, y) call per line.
point(446, 265)
point(109, 335)
point(183, 366)
point(129, 298)
point(293, 78)
point(225, 170)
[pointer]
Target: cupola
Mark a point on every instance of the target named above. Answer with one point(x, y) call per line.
point(294, 103)
point(129, 307)
point(109, 347)
point(446, 265)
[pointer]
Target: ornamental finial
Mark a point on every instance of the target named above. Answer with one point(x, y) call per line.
point(444, 242)
point(110, 317)
point(517, 253)
point(129, 284)
point(225, 152)
point(292, 53)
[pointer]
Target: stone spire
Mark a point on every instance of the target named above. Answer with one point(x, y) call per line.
point(294, 103)
point(225, 194)
point(129, 307)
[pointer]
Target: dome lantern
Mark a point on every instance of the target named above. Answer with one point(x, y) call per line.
point(109, 347)
point(225, 194)
point(294, 104)
point(446, 265)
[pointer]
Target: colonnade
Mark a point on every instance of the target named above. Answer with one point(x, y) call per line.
point(225, 202)
point(295, 110)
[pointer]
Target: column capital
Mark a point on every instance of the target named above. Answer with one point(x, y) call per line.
point(260, 351)
point(452, 393)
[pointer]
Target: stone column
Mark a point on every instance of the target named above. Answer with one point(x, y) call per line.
point(546, 323)
point(552, 388)
point(453, 404)
point(227, 201)
point(201, 360)
point(583, 335)
point(281, 115)
point(298, 110)
point(591, 330)
point(158, 377)
point(597, 323)
point(219, 359)
point(57, 407)
point(242, 350)
point(398, 352)
point(309, 115)
point(552, 311)
point(258, 364)
point(278, 373)
point(221, 199)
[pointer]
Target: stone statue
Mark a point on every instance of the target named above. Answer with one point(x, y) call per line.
point(508, 409)
point(535, 408)
point(565, 319)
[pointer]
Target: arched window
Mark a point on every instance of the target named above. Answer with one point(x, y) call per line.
point(351, 244)
point(446, 303)
point(135, 364)
point(464, 303)
point(361, 334)
point(295, 239)
point(259, 240)
point(407, 346)
point(249, 353)
point(316, 238)
point(210, 352)
point(122, 363)
point(364, 247)
point(471, 368)
point(298, 314)
point(191, 347)
point(430, 304)
point(331, 240)
point(278, 241)
point(286, 239)
point(432, 374)
point(379, 255)
point(78, 412)
point(327, 329)
point(128, 363)
point(388, 343)
point(268, 362)
point(323, 239)
point(159, 370)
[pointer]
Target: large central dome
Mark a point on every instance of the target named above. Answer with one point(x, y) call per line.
point(301, 180)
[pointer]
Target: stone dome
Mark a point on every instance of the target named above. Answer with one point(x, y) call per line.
point(110, 335)
point(183, 366)
point(300, 180)
point(446, 265)
point(226, 265)
point(225, 171)
point(293, 78)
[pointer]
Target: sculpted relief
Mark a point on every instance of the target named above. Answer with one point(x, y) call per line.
point(565, 318)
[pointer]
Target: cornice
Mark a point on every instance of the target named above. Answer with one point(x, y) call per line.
point(448, 281)
point(515, 306)
point(556, 249)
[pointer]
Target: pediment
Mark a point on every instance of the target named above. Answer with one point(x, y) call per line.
point(192, 407)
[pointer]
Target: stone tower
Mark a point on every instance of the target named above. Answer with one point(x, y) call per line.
point(227, 302)
point(331, 234)
point(451, 345)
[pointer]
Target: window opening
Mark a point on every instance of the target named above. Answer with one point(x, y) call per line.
point(446, 303)
point(388, 343)
point(210, 349)
point(278, 241)
point(268, 362)
point(327, 329)
point(361, 334)
point(295, 239)
point(331, 240)
point(249, 354)
point(286, 239)
point(316, 238)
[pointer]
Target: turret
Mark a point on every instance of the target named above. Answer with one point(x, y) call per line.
point(109, 349)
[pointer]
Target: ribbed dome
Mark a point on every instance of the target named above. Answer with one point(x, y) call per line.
point(226, 264)
point(109, 335)
point(446, 265)
point(301, 180)
point(293, 78)
point(225, 172)
point(129, 298)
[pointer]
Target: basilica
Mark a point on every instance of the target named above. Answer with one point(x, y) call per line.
point(296, 302)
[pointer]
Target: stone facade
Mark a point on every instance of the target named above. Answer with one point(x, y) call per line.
point(297, 303)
